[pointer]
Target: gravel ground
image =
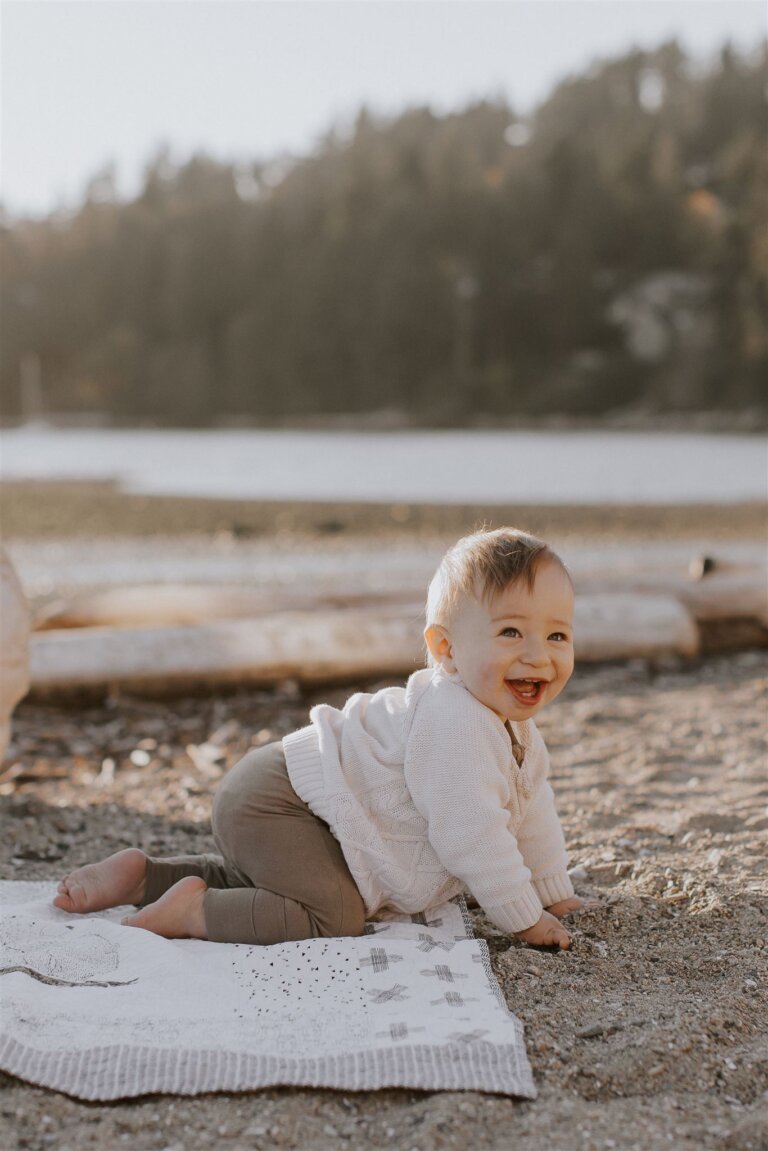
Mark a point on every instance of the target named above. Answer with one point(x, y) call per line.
point(652, 1032)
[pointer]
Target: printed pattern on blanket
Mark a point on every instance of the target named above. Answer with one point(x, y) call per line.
point(101, 1011)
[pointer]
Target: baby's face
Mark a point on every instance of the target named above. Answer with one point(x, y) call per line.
point(514, 652)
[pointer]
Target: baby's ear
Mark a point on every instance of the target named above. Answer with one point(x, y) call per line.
point(439, 644)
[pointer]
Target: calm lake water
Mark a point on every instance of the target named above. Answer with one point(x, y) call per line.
point(504, 467)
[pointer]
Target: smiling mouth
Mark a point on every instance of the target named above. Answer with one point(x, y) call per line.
point(526, 691)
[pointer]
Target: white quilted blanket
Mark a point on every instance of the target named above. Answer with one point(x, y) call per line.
point(101, 1011)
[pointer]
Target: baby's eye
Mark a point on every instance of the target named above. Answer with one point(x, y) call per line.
point(511, 632)
point(560, 636)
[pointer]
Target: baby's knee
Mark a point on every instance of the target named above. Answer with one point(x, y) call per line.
point(353, 916)
point(357, 926)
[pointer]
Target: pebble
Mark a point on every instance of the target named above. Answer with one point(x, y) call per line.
point(595, 1029)
point(107, 773)
point(207, 758)
point(230, 730)
point(578, 872)
point(590, 1032)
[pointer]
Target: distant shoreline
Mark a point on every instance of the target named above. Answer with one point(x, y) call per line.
point(750, 421)
point(45, 509)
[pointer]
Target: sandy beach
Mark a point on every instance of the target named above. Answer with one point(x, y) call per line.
point(650, 1033)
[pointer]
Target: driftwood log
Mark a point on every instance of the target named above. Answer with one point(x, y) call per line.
point(322, 645)
point(172, 605)
point(722, 594)
point(14, 646)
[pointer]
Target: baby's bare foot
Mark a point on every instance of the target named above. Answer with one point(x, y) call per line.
point(119, 879)
point(178, 914)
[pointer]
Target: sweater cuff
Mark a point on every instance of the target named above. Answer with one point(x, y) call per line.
point(552, 888)
point(519, 913)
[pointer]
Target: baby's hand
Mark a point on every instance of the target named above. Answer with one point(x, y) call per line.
point(566, 906)
point(547, 932)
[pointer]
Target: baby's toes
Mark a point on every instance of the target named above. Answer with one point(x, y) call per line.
point(71, 897)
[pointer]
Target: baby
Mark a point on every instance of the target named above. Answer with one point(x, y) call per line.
point(404, 797)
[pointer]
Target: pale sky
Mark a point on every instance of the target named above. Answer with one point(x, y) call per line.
point(86, 82)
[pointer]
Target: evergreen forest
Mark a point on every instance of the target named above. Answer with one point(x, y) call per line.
point(606, 253)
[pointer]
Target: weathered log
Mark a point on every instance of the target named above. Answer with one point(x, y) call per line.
point(318, 646)
point(728, 592)
point(172, 605)
point(14, 646)
point(730, 595)
point(720, 595)
point(621, 625)
point(307, 646)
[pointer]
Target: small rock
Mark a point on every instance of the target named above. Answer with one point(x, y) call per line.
point(207, 758)
point(674, 895)
point(701, 566)
point(590, 1032)
point(226, 733)
point(107, 774)
point(578, 872)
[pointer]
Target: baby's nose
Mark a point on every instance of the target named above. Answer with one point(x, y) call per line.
point(535, 653)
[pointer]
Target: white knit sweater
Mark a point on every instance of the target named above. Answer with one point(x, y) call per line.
point(421, 788)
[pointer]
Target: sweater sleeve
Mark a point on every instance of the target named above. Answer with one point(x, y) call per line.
point(542, 844)
point(456, 770)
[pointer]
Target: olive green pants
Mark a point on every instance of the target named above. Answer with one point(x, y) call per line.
point(281, 875)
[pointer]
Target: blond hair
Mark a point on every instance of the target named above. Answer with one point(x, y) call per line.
point(482, 565)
